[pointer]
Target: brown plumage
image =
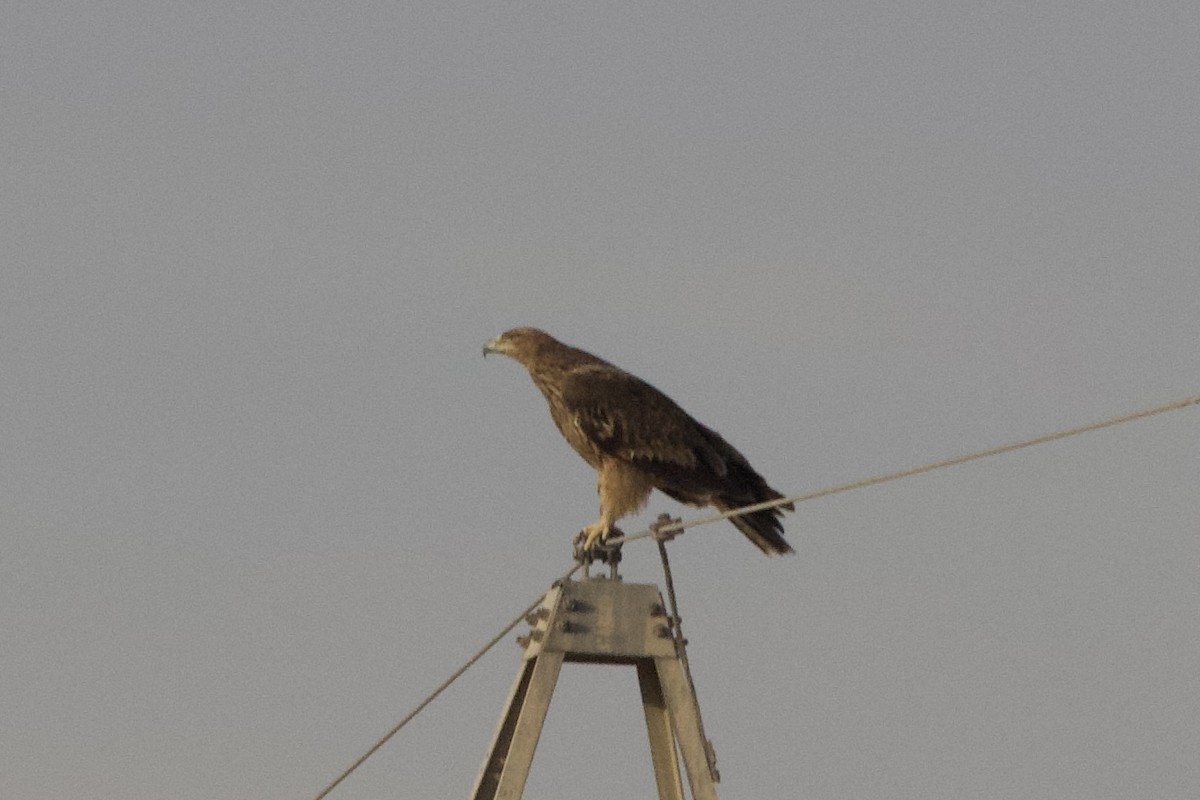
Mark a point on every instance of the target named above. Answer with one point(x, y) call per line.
point(638, 439)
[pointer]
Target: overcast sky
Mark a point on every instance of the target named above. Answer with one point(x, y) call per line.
point(259, 493)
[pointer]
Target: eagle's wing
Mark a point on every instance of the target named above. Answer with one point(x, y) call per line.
point(626, 418)
point(623, 417)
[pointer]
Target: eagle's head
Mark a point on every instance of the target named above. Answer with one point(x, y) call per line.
point(521, 344)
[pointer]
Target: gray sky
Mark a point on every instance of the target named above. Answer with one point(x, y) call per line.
point(261, 493)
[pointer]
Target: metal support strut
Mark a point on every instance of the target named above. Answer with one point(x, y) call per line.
point(602, 622)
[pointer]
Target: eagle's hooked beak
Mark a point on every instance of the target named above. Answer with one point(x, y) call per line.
point(492, 346)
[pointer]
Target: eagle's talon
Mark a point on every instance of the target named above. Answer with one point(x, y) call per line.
point(592, 544)
point(589, 536)
point(609, 553)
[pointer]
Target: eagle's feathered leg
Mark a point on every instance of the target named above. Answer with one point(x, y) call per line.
point(622, 490)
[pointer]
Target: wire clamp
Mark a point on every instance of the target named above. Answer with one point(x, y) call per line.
point(664, 521)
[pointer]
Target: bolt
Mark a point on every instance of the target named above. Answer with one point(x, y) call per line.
point(534, 617)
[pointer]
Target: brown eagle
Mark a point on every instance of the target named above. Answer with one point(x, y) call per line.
point(638, 439)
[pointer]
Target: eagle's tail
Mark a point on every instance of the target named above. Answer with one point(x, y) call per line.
point(761, 527)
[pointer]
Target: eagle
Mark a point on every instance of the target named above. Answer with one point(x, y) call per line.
point(637, 439)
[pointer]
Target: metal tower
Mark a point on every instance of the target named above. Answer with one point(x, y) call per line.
point(603, 621)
